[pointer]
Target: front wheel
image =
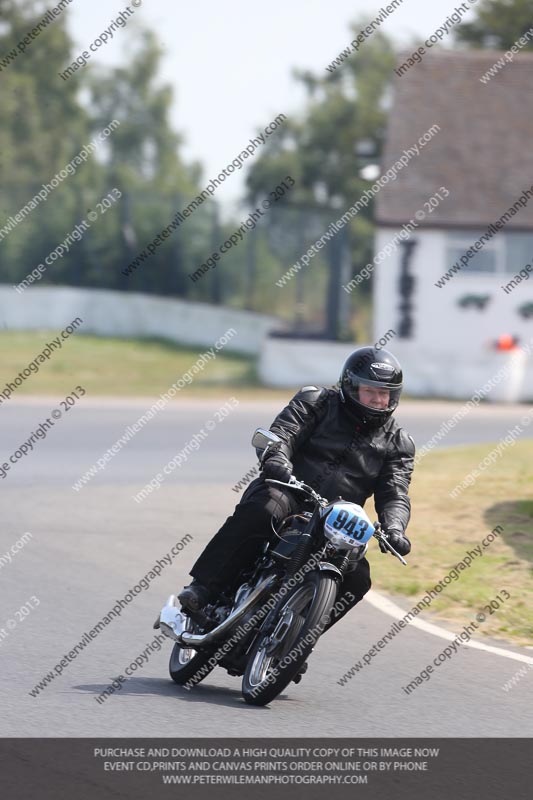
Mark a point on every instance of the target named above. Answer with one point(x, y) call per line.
point(277, 655)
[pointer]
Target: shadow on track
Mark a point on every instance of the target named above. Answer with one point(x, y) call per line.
point(158, 687)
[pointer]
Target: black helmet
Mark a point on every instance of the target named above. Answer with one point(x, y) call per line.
point(369, 366)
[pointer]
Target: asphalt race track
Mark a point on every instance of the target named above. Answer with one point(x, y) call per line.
point(88, 548)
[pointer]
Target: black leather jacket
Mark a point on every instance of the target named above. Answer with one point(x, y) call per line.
point(336, 455)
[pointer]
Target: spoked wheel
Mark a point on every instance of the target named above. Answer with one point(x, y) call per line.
point(188, 665)
point(299, 620)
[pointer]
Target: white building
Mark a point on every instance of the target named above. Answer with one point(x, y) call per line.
point(465, 200)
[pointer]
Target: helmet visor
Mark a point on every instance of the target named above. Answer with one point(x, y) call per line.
point(374, 395)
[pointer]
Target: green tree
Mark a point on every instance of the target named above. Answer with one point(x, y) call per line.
point(498, 24)
point(37, 109)
point(341, 131)
point(144, 162)
point(46, 121)
point(343, 125)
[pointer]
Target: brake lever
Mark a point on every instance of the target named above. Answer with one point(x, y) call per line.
point(381, 537)
point(294, 483)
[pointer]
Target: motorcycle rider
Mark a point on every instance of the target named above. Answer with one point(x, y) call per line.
point(342, 441)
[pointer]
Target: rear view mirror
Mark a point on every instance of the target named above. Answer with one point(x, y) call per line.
point(263, 438)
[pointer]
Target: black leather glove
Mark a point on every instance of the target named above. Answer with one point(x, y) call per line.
point(277, 466)
point(399, 541)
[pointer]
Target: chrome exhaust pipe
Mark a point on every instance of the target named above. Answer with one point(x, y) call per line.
point(199, 640)
point(173, 621)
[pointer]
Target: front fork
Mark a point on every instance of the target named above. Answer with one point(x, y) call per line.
point(277, 630)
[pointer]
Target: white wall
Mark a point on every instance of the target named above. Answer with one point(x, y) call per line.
point(292, 363)
point(439, 321)
point(451, 354)
point(300, 362)
point(124, 314)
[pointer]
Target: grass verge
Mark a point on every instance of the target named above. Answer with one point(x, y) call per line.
point(443, 529)
point(120, 367)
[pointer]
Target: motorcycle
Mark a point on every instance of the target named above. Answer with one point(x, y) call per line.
point(266, 630)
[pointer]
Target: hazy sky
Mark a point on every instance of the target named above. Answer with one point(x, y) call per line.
point(231, 62)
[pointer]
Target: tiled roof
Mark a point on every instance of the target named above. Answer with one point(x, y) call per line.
point(484, 151)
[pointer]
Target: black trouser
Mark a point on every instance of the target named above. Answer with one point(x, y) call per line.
point(240, 540)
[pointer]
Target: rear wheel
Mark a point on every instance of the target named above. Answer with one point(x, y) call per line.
point(277, 655)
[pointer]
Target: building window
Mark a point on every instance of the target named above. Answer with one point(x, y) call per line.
point(487, 261)
point(518, 252)
point(504, 254)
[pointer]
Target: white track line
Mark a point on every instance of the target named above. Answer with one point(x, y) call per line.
point(392, 610)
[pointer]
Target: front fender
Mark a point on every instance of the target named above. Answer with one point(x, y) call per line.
point(325, 566)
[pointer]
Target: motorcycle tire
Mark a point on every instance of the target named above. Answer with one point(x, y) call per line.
point(271, 666)
point(187, 664)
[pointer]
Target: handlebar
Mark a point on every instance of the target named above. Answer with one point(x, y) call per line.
point(382, 538)
point(294, 483)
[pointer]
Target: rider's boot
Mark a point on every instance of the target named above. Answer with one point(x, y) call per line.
point(192, 598)
point(195, 596)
